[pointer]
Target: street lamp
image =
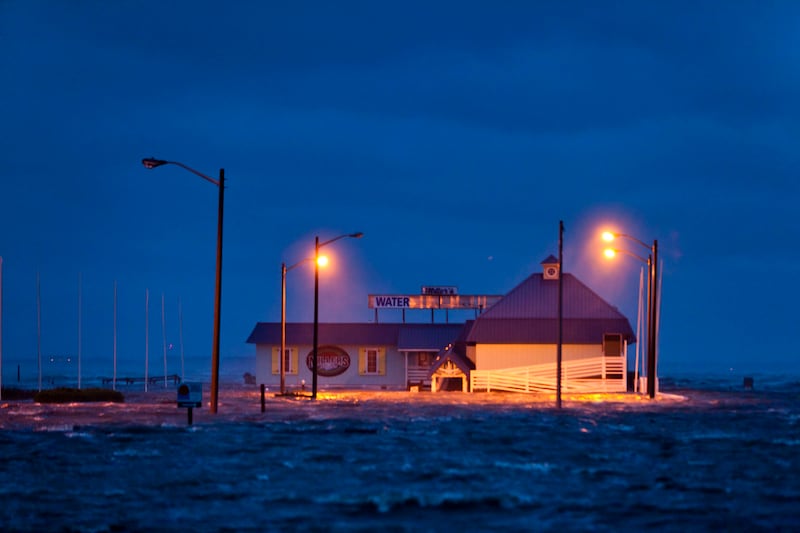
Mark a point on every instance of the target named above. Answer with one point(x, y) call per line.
point(652, 303)
point(317, 246)
point(149, 163)
point(284, 270)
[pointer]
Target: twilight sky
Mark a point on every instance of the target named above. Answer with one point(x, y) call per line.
point(455, 135)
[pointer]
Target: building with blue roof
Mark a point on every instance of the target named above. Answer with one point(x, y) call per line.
point(511, 345)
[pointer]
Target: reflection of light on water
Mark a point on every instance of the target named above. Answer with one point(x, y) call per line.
point(242, 403)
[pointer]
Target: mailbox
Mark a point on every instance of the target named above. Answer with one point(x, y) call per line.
point(190, 394)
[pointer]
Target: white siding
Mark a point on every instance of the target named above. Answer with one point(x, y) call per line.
point(395, 377)
point(471, 352)
point(264, 365)
point(497, 356)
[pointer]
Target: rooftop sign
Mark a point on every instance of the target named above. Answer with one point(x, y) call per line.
point(438, 290)
point(429, 301)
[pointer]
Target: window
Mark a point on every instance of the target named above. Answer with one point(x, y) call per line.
point(289, 360)
point(372, 361)
point(613, 345)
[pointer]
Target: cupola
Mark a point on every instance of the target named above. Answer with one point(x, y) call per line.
point(550, 268)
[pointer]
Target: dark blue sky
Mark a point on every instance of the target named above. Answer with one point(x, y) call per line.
point(455, 135)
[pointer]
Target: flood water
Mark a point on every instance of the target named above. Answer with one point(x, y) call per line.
point(704, 456)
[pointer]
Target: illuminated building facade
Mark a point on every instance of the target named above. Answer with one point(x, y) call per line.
point(511, 345)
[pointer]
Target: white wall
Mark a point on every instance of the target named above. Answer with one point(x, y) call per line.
point(395, 377)
point(496, 356)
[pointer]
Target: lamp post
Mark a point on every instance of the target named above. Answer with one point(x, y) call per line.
point(560, 311)
point(652, 301)
point(317, 246)
point(220, 183)
point(284, 270)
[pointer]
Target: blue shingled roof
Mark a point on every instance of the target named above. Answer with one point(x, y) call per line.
point(427, 337)
point(528, 315)
point(545, 331)
point(537, 297)
point(407, 337)
point(344, 333)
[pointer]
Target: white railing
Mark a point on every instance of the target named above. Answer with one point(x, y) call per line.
point(598, 374)
point(418, 375)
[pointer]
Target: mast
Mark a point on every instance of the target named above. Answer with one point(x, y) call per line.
point(164, 338)
point(146, 335)
point(114, 379)
point(39, 328)
point(79, 328)
point(180, 335)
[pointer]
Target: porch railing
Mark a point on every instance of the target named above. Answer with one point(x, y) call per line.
point(597, 374)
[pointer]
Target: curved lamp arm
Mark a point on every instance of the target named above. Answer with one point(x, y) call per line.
point(609, 236)
point(611, 252)
point(151, 162)
point(357, 235)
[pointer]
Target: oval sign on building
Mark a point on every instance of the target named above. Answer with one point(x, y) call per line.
point(331, 361)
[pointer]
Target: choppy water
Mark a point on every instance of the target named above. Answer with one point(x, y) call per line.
point(723, 459)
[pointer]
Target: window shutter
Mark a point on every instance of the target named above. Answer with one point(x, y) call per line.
point(362, 361)
point(295, 360)
point(276, 362)
point(382, 361)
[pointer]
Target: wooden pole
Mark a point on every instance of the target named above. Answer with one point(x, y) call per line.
point(560, 310)
point(651, 359)
point(1, 327)
point(282, 355)
point(263, 399)
point(217, 299)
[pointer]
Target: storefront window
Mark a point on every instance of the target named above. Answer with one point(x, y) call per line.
point(288, 362)
point(372, 361)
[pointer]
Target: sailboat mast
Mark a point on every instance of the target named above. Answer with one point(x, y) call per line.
point(39, 328)
point(180, 335)
point(164, 338)
point(146, 335)
point(114, 379)
point(80, 294)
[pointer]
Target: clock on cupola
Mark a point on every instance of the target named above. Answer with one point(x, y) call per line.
point(550, 268)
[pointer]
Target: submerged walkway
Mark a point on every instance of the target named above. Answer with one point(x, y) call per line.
point(174, 378)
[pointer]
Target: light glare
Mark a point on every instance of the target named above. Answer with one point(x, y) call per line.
point(608, 236)
point(322, 260)
point(609, 253)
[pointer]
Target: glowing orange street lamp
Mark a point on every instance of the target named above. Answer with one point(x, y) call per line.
point(611, 253)
point(321, 261)
point(652, 300)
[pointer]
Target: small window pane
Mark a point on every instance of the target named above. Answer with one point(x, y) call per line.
point(372, 361)
point(612, 344)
